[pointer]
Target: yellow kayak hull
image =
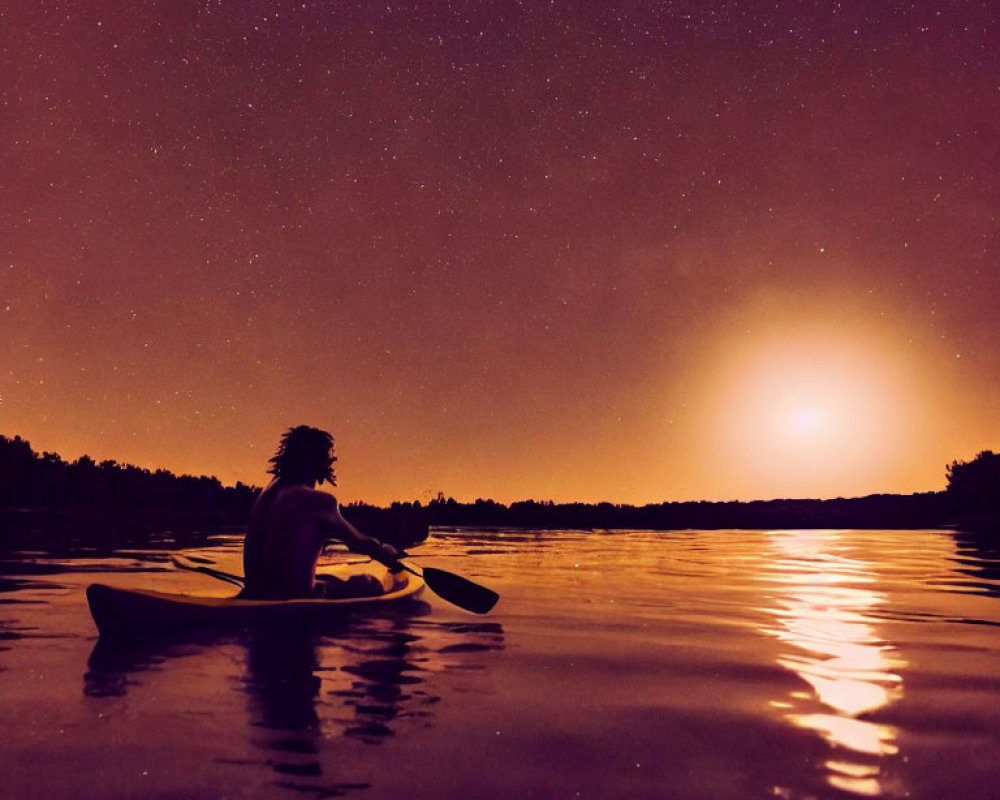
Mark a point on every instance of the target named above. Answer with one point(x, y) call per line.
point(117, 610)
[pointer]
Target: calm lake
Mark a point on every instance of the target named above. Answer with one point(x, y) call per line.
point(721, 664)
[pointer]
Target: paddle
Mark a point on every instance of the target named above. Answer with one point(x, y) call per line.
point(447, 585)
point(455, 589)
point(184, 563)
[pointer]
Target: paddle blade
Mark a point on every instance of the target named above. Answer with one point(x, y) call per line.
point(460, 591)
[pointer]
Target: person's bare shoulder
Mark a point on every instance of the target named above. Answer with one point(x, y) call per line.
point(302, 499)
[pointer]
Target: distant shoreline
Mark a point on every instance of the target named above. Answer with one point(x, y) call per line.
point(883, 511)
point(40, 491)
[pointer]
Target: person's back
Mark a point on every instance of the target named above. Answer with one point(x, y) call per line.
point(282, 545)
point(291, 521)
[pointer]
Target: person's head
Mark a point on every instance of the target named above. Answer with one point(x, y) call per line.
point(304, 454)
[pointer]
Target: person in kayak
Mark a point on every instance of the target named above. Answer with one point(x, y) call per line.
point(292, 521)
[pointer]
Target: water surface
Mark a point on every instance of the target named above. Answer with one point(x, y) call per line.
point(722, 664)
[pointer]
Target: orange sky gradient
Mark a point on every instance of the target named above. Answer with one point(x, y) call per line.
point(555, 251)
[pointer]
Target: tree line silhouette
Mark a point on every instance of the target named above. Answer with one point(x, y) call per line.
point(974, 487)
point(39, 484)
point(44, 482)
point(875, 511)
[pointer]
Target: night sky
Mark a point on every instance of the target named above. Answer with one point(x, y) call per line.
point(632, 251)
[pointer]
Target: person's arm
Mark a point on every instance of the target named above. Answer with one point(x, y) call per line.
point(336, 527)
point(358, 542)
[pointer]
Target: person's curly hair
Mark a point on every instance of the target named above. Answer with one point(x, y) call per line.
point(304, 453)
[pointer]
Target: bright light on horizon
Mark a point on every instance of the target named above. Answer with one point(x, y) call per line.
point(806, 419)
point(820, 413)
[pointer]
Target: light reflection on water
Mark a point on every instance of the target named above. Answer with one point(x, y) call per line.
point(823, 610)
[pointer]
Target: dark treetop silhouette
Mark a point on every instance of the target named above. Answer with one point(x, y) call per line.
point(49, 486)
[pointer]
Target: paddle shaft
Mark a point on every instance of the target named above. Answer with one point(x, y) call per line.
point(228, 577)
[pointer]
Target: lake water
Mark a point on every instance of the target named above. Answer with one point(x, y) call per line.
point(722, 664)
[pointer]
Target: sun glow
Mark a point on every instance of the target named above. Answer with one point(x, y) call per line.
point(806, 419)
point(810, 415)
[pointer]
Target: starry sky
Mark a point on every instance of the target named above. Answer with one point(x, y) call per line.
point(627, 251)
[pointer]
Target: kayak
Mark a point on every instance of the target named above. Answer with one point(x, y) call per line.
point(117, 611)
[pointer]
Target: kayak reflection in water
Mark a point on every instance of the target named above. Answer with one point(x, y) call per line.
point(291, 522)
